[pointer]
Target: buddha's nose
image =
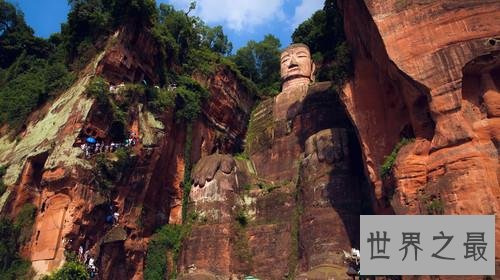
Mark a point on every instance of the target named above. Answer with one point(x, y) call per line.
point(293, 62)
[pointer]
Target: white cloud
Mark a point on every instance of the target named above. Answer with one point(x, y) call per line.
point(305, 10)
point(236, 14)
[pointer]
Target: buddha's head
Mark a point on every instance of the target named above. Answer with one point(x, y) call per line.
point(296, 62)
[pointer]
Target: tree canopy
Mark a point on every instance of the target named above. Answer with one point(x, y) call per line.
point(14, 234)
point(71, 270)
point(32, 69)
point(260, 61)
point(323, 32)
point(16, 36)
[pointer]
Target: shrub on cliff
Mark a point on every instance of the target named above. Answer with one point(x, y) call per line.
point(70, 271)
point(19, 270)
point(8, 244)
point(435, 207)
point(386, 168)
point(12, 236)
point(108, 172)
point(189, 97)
point(160, 99)
point(24, 222)
point(98, 88)
point(241, 217)
point(169, 237)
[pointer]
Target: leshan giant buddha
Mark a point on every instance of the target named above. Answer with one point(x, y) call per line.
point(303, 135)
point(302, 143)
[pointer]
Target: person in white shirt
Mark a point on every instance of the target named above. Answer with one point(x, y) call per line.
point(115, 217)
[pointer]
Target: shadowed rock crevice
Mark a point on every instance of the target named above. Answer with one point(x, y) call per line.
point(30, 183)
point(333, 193)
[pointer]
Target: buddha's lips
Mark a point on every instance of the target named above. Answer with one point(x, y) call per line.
point(293, 69)
point(294, 76)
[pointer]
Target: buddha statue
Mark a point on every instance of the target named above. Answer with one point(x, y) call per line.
point(298, 142)
point(297, 73)
point(302, 108)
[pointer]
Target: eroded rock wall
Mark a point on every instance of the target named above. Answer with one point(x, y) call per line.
point(432, 67)
point(131, 57)
point(47, 168)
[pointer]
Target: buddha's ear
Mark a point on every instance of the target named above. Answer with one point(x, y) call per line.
point(313, 71)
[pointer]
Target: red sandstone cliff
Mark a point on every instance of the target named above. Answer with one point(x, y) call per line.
point(428, 70)
point(47, 169)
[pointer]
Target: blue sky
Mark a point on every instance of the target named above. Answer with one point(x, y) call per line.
point(243, 20)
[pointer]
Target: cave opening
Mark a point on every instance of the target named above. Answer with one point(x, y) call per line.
point(407, 132)
point(33, 171)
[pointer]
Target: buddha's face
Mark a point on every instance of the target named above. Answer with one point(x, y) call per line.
point(296, 62)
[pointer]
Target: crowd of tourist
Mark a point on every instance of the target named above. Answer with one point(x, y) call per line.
point(84, 255)
point(88, 260)
point(92, 146)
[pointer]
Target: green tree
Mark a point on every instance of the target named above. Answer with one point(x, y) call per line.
point(175, 33)
point(16, 36)
point(186, 45)
point(190, 95)
point(169, 237)
point(139, 12)
point(23, 224)
point(217, 41)
point(192, 6)
point(260, 61)
point(70, 271)
point(323, 32)
point(27, 83)
point(8, 244)
point(87, 20)
point(246, 61)
point(268, 62)
point(12, 236)
point(19, 96)
point(8, 16)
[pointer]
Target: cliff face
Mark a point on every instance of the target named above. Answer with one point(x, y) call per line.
point(428, 70)
point(131, 57)
point(48, 168)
